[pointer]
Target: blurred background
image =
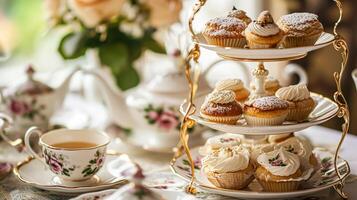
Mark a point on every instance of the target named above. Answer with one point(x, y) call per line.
point(26, 37)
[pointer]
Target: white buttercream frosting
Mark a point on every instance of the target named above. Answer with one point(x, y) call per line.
point(229, 84)
point(280, 162)
point(216, 142)
point(264, 25)
point(222, 97)
point(227, 160)
point(293, 93)
point(299, 146)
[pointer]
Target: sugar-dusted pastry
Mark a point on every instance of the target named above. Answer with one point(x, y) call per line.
point(301, 147)
point(279, 171)
point(239, 14)
point(216, 142)
point(266, 111)
point(263, 33)
point(236, 85)
point(222, 107)
point(301, 29)
point(225, 31)
point(300, 102)
point(271, 86)
point(229, 168)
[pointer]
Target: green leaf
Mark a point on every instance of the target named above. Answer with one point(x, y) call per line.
point(73, 45)
point(92, 162)
point(153, 45)
point(114, 56)
point(127, 78)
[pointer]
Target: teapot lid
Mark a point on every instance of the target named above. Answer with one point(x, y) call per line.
point(31, 86)
point(173, 82)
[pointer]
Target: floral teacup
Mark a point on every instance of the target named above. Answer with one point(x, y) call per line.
point(70, 163)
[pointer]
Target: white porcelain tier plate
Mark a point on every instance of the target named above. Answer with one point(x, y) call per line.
point(266, 54)
point(254, 190)
point(34, 173)
point(325, 110)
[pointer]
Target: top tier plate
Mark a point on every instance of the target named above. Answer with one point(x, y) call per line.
point(266, 55)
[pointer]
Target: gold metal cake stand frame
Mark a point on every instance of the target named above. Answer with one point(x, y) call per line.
point(192, 63)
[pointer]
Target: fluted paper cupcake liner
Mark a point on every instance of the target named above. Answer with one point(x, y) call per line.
point(299, 114)
point(287, 186)
point(265, 121)
point(291, 41)
point(221, 119)
point(226, 42)
point(230, 180)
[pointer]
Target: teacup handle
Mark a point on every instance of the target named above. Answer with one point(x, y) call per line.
point(29, 133)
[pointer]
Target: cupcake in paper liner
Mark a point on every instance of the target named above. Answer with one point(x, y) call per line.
point(266, 111)
point(221, 107)
point(225, 32)
point(301, 29)
point(300, 102)
point(229, 168)
point(280, 171)
point(235, 85)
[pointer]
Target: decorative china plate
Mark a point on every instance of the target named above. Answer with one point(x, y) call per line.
point(266, 54)
point(34, 173)
point(328, 179)
point(324, 110)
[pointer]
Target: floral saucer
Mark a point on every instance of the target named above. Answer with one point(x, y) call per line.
point(34, 173)
point(317, 183)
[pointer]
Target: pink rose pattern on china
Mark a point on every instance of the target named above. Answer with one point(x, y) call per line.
point(28, 110)
point(165, 118)
point(57, 163)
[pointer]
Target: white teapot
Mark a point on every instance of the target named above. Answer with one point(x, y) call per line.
point(151, 108)
point(32, 103)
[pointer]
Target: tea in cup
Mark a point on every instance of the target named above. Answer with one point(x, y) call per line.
point(72, 155)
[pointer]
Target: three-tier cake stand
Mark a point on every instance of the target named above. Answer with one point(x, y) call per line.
point(325, 110)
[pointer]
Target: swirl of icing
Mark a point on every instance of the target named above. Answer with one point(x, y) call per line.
point(293, 93)
point(229, 84)
point(264, 25)
point(227, 160)
point(299, 146)
point(240, 14)
point(222, 97)
point(279, 162)
point(216, 142)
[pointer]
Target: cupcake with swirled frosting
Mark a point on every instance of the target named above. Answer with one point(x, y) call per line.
point(225, 31)
point(301, 29)
point(300, 102)
point(279, 171)
point(236, 85)
point(229, 168)
point(302, 148)
point(221, 107)
point(216, 142)
point(263, 33)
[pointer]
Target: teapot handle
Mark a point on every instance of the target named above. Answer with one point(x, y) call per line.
point(5, 122)
point(293, 68)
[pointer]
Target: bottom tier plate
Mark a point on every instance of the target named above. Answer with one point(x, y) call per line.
point(254, 191)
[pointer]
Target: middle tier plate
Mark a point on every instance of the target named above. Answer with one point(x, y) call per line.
point(324, 110)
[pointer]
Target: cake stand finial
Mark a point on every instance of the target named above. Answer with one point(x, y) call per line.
point(260, 74)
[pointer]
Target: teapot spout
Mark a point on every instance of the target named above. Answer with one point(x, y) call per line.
point(114, 99)
point(62, 90)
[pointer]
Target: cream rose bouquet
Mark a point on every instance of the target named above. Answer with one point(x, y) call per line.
point(121, 30)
